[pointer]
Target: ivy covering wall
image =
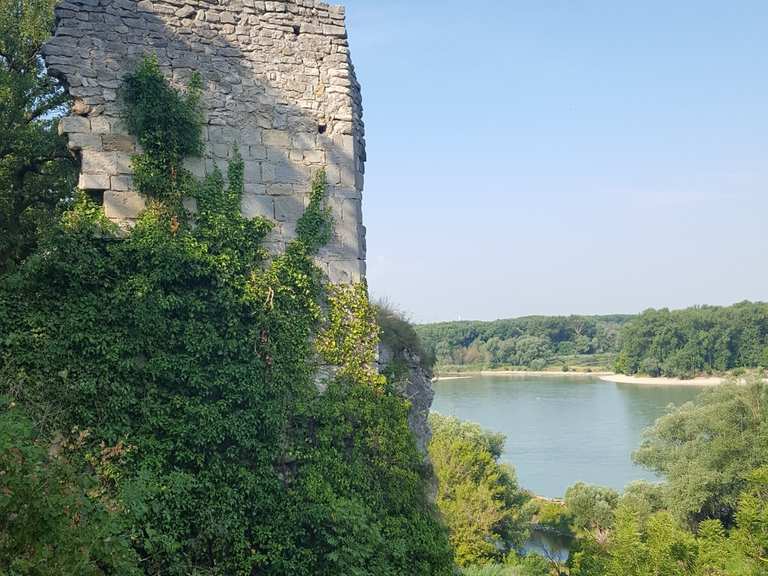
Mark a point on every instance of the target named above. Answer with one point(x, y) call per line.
point(191, 354)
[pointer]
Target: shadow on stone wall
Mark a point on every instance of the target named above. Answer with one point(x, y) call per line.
point(278, 84)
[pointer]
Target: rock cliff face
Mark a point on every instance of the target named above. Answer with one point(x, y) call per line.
point(415, 386)
point(279, 84)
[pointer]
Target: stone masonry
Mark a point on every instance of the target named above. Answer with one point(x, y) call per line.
point(278, 83)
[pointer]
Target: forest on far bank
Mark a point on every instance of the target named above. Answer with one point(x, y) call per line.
point(676, 343)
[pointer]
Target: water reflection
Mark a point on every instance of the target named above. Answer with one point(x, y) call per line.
point(547, 544)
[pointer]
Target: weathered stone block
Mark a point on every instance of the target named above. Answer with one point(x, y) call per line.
point(288, 172)
point(276, 138)
point(123, 205)
point(100, 125)
point(74, 125)
point(288, 208)
point(280, 189)
point(267, 172)
point(83, 141)
point(252, 171)
point(95, 162)
point(123, 162)
point(314, 156)
point(121, 183)
point(185, 11)
point(118, 143)
point(346, 271)
point(196, 166)
point(254, 205)
point(93, 181)
point(337, 31)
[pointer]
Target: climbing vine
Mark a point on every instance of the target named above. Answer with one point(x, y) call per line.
point(168, 126)
point(183, 340)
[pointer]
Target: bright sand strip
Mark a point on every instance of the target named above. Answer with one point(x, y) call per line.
point(557, 373)
point(647, 380)
point(464, 375)
point(606, 376)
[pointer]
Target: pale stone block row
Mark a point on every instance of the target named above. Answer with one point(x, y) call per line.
point(279, 87)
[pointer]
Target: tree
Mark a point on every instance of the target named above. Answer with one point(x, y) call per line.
point(671, 550)
point(478, 497)
point(684, 343)
point(706, 448)
point(592, 508)
point(628, 554)
point(36, 170)
point(752, 519)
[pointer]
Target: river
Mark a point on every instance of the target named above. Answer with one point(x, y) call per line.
point(562, 429)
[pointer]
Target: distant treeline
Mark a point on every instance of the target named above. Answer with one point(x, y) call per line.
point(677, 343)
point(530, 342)
point(683, 343)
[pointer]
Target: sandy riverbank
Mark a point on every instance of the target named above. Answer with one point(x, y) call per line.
point(606, 376)
point(463, 375)
point(660, 381)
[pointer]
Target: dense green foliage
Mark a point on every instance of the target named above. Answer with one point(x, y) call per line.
point(36, 170)
point(530, 342)
point(705, 448)
point(684, 343)
point(53, 516)
point(514, 565)
point(184, 345)
point(168, 125)
point(643, 543)
point(478, 496)
point(591, 507)
point(678, 343)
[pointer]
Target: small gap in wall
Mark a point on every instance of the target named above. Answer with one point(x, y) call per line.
point(321, 128)
point(296, 29)
point(97, 196)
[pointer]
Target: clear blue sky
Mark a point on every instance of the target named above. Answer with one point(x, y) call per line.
point(558, 157)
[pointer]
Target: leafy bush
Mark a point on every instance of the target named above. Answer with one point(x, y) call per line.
point(514, 565)
point(551, 516)
point(478, 497)
point(52, 518)
point(591, 507)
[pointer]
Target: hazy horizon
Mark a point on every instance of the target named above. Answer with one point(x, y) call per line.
point(560, 158)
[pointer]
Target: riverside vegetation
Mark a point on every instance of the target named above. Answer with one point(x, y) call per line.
point(678, 343)
point(159, 411)
point(709, 517)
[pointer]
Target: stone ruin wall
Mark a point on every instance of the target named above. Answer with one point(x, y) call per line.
point(278, 82)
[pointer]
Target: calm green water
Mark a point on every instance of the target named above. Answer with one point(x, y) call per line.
point(562, 430)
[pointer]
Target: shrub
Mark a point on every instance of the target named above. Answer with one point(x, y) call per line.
point(399, 335)
point(478, 497)
point(52, 518)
